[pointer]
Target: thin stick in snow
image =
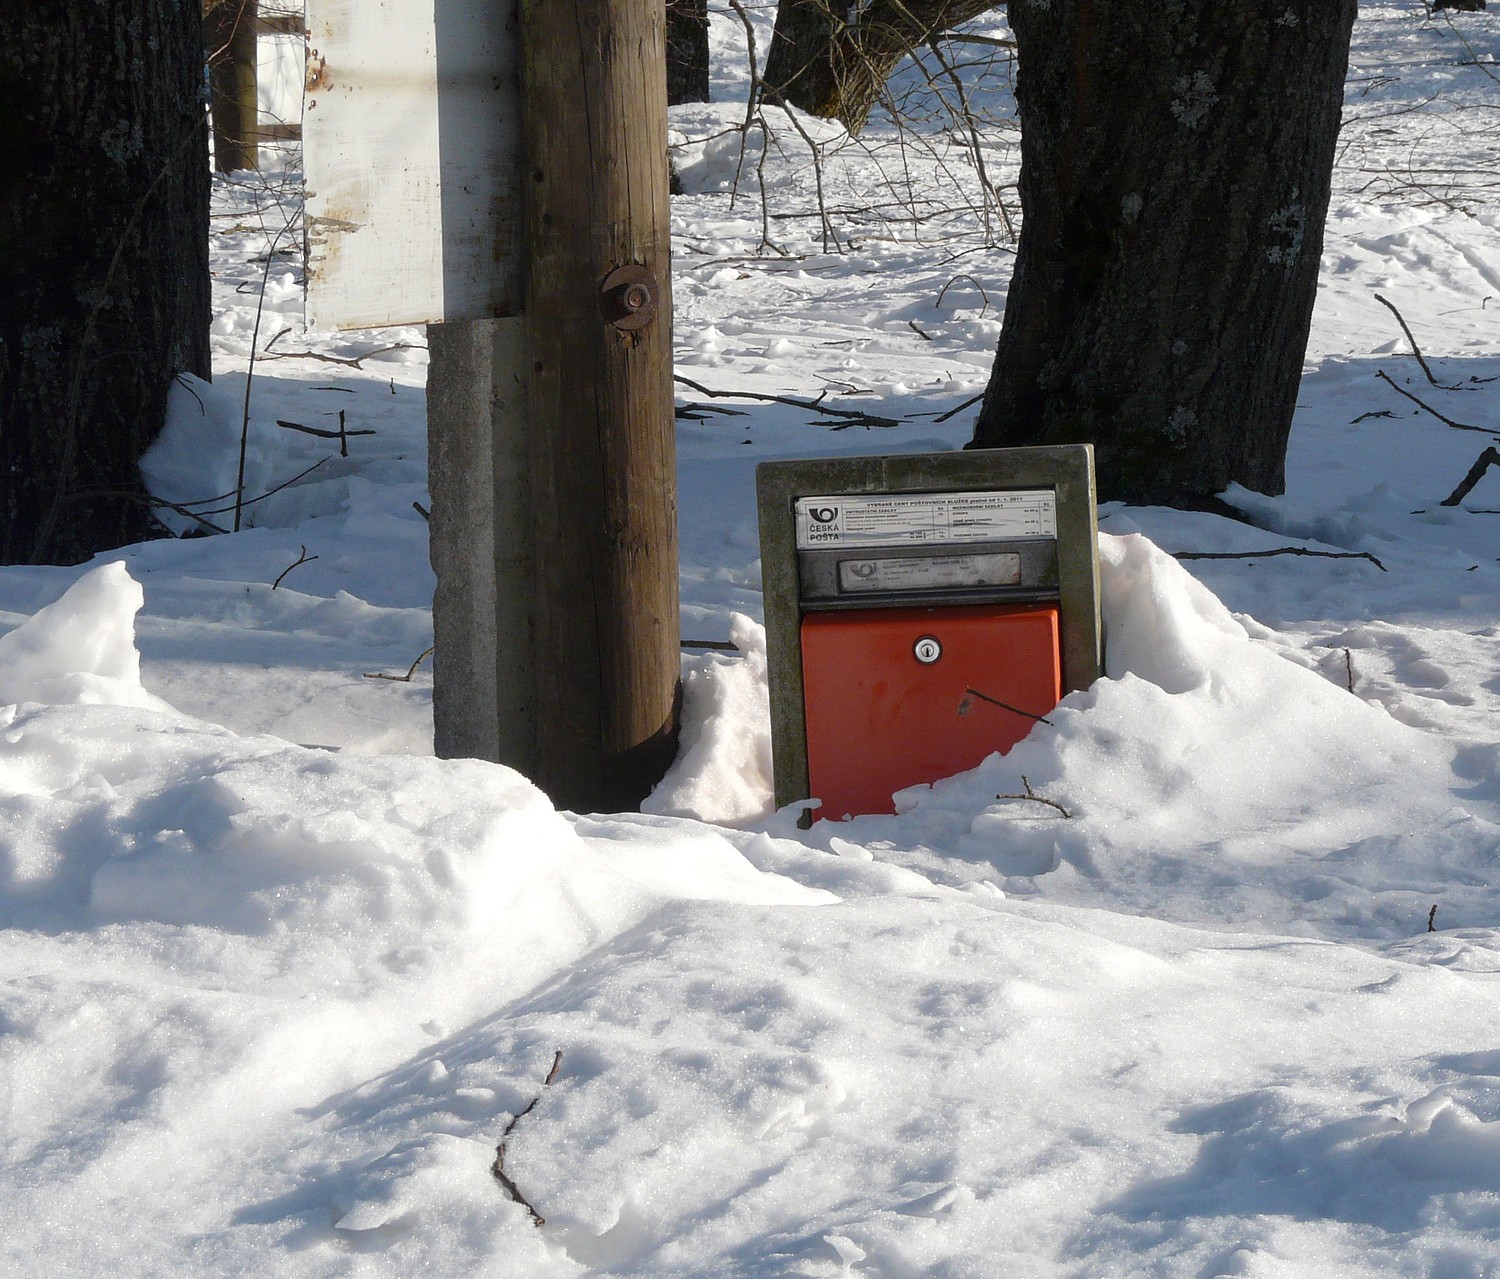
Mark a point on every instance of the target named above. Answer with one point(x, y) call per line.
point(498, 1167)
point(411, 670)
point(985, 296)
point(1035, 798)
point(855, 417)
point(954, 412)
point(1490, 457)
point(1446, 421)
point(1415, 349)
point(1280, 550)
point(303, 558)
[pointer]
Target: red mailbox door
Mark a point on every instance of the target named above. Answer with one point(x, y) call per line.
point(898, 696)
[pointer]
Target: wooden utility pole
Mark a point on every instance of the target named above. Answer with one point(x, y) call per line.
point(525, 217)
point(599, 407)
point(230, 41)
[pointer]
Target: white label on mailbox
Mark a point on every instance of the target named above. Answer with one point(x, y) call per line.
point(895, 519)
point(942, 572)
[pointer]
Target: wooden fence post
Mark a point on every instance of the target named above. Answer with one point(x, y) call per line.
point(597, 313)
point(230, 41)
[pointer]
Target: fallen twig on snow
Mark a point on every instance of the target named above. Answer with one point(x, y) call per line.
point(1490, 457)
point(350, 362)
point(238, 505)
point(855, 417)
point(1280, 550)
point(964, 276)
point(700, 412)
point(1446, 421)
point(1415, 350)
point(303, 558)
point(498, 1167)
point(411, 670)
point(954, 412)
point(1035, 798)
point(323, 433)
point(152, 503)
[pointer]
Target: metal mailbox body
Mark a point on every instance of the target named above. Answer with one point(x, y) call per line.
point(879, 717)
point(921, 612)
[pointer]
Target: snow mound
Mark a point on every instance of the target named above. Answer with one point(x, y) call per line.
point(723, 768)
point(347, 863)
point(349, 869)
point(1207, 777)
point(1163, 625)
point(81, 649)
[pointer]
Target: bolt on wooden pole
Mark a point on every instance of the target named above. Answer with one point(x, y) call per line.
point(599, 403)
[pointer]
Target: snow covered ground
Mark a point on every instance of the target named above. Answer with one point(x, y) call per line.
point(276, 984)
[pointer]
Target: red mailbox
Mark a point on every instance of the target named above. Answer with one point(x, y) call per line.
point(921, 613)
point(905, 695)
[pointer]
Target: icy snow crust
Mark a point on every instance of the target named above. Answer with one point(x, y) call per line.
point(275, 985)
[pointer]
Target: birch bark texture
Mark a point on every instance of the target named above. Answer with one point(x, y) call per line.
point(1176, 160)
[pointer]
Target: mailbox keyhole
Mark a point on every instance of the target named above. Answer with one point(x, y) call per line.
point(927, 650)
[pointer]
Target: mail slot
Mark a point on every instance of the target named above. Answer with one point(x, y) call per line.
point(922, 612)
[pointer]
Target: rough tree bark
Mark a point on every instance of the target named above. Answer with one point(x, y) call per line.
point(687, 51)
point(1175, 170)
point(104, 219)
point(828, 66)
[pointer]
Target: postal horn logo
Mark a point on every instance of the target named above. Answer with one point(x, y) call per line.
point(823, 514)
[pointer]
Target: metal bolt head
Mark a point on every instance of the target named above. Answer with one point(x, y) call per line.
point(628, 297)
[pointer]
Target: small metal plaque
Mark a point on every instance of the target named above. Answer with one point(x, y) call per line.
point(941, 572)
point(1023, 568)
point(899, 519)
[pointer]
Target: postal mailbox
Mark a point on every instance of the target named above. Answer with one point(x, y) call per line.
point(922, 612)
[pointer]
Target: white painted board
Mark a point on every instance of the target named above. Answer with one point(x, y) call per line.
point(411, 138)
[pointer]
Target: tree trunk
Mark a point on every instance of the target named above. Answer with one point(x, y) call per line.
point(1175, 170)
point(831, 68)
point(104, 275)
point(687, 51)
point(231, 43)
